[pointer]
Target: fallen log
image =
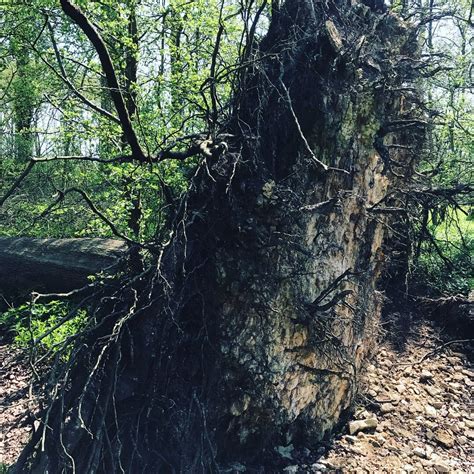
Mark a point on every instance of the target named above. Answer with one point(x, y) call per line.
point(53, 265)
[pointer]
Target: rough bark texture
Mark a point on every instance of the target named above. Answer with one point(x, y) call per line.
point(29, 264)
point(249, 329)
point(293, 230)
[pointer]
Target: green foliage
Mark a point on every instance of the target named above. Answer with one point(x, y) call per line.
point(41, 116)
point(447, 243)
point(45, 326)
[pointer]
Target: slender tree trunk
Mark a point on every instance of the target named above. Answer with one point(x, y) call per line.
point(132, 192)
point(23, 105)
point(131, 76)
point(249, 328)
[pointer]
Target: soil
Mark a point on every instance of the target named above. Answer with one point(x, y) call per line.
point(414, 413)
point(16, 403)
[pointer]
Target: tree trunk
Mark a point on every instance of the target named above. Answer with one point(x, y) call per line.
point(248, 330)
point(24, 98)
point(53, 265)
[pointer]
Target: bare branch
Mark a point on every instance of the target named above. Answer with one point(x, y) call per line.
point(17, 182)
point(99, 214)
point(64, 77)
point(78, 17)
point(118, 159)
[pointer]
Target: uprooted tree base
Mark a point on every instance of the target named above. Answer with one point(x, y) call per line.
point(248, 328)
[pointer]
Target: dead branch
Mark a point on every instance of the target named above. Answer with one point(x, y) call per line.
point(438, 350)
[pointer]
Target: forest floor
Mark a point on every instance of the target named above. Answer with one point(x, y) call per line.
point(418, 398)
point(415, 412)
point(15, 401)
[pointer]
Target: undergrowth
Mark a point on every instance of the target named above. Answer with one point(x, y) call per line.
point(445, 266)
point(45, 326)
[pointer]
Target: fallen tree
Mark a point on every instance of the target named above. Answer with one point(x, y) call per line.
point(54, 265)
point(248, 327)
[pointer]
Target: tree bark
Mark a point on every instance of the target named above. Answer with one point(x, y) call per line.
point(249, 329)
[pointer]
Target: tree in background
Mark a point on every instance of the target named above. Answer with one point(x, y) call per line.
point(444, 234)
